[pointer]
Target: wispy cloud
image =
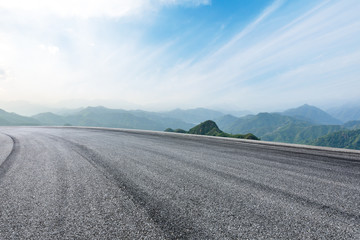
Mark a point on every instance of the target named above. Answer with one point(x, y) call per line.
point(2, 74)
point(251, 27)
point(51, 49)
point(91, 8)
point(87, 50)
point(317, 50)
point(55, 46)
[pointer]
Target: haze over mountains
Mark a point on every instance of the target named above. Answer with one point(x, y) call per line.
point(13, 119)
point(305, 124)
point(311, 114)
point(116, 118)
point(346, 113)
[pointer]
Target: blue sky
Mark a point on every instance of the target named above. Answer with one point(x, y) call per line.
point(164, 54)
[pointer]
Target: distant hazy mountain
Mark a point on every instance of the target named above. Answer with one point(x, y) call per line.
point(13, 119)
point(161, 119)
point(169, 121)
point(226, 121)
point(103, 117)
point(238, 113)
point(51, 119)
point(25, 108)
point(260, 124)
point(346, 113)
point(312, 114)
point(342, 139)
point(116, 118)
point(68, 111)
point(194, 116)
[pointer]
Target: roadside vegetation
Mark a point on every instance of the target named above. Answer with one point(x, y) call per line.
point(344, 139)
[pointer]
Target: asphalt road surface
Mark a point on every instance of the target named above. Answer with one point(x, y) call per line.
point(79, 183)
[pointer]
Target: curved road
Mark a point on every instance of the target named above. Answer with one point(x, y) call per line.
point(87, 183)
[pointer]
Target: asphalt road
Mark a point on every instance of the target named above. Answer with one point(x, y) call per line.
point(78, 183)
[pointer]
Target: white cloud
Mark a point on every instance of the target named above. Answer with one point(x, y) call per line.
point(312, 56)
point(2, 74)
point(91, 8)
point(249, 28)
point(317, 51)
point(51, 49)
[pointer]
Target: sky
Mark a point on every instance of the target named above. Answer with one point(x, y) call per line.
point(163, 54)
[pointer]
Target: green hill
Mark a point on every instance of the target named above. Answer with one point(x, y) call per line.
point(210, 128)
point(312, 114)
point(13, 119)
point(206, 128)
point(277, 127)
point(343, 139)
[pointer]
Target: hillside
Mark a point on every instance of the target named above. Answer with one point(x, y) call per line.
point(13, 119)
point(312, 114)
point(343, 139)
point(300, 133)
point(206, 128)
point(278, 127)
point(260, 124)
point(352, 125)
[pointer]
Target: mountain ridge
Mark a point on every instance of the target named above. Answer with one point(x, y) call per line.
point(312, 114)
point(13, 119)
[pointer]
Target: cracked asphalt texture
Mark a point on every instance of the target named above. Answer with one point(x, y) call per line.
point(92, 183)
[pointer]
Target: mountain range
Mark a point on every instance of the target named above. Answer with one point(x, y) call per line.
point(305, 124)
point(13, 119)
point(312, 114)
point(346, 113)
point(114, 118)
